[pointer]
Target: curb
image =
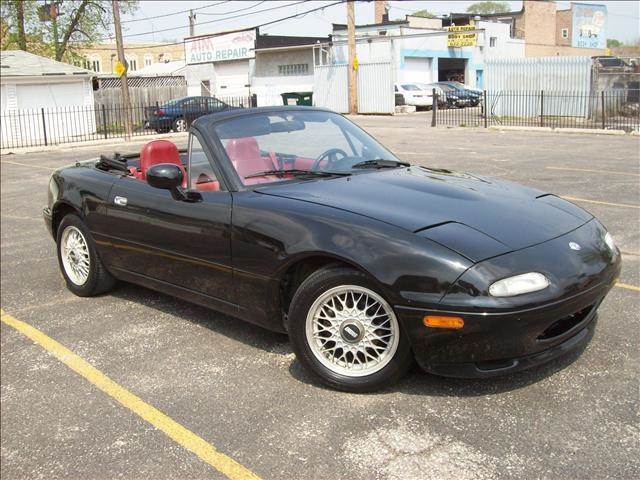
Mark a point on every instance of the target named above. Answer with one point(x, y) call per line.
point(520, 129)
point(91, 143)
point(589, 131)
point(593, 131)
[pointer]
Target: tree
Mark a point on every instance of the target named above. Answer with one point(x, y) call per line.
point(612, 43)
point(424, 13)
point(74, 25)
point(484, 8)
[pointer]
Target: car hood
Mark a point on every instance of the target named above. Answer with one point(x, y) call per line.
point(507, 216)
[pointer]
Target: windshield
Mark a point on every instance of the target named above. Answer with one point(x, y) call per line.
point(411, 87)
point(261, 146)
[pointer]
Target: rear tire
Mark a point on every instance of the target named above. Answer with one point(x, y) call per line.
point(81, 267)
point(345, 334)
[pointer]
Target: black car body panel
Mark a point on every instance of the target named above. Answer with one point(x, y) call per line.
point(421, 198)
point(432, 240)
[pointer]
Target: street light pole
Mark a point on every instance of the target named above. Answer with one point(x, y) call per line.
point(123, 79)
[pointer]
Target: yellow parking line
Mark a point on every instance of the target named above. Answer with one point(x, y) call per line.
point(628, 287)
point(610, 172)
point(30, 166)
point(625, 205)
point(155, 417)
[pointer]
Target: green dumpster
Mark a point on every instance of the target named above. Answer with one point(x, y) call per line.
point(298, 98)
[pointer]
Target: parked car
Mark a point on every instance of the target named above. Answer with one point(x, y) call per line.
point(281, 216)
point(178, 114)
point(457, 98)
point(442, 97)
point(414, 95)
point(466, 96)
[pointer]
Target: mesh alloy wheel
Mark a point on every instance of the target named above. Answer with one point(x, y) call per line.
point(352, 331)
point(75, 255)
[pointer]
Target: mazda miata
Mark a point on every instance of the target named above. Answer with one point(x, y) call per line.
point(296, 220)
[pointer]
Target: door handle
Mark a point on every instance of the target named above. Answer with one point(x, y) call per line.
point(122, 201)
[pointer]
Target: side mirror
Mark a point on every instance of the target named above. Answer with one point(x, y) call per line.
point(164, 175)
point(168, 176)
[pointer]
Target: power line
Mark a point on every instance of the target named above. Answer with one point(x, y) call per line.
point(164, 45)
point(216, 20)
point(175, 13)
point(235, 11)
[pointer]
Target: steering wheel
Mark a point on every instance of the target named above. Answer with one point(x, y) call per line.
point(330, 155)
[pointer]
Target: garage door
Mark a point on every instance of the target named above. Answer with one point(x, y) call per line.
point(50, 95)
point(232, 78)
point(416, 69)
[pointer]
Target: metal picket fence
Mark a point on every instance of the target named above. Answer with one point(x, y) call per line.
point(60, 125)
point(617, 109)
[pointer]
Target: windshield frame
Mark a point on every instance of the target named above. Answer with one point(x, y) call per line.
point(207, 128)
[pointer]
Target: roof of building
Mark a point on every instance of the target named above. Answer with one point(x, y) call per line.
point(18, 63)
point(279, 41)
point(391, 23)
point(160, 69)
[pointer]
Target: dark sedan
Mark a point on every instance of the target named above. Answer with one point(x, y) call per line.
point(296, 220)
point(178, 114)
point(464, 96)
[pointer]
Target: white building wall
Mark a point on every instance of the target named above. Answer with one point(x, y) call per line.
point(268, 83)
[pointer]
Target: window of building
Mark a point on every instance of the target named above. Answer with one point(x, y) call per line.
point(294, 69)
point(92, 62)
point(493, 41)
point(133, 63)
point(165, 57)
point(148, 59)
point(565, 33)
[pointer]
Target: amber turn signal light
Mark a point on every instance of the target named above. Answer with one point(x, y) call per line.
point(443, 322)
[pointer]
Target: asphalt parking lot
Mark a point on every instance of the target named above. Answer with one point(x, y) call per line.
point(240, 390)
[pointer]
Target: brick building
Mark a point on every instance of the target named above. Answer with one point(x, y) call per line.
point(101, 58)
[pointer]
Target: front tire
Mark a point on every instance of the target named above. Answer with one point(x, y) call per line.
point(78, 258)
point(345, 333)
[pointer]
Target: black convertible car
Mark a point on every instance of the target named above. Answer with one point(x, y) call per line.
point(295, 219)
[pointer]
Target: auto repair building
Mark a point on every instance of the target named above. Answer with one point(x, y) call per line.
point(242, 63)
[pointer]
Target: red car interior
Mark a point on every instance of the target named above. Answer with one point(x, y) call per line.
point(244, 154)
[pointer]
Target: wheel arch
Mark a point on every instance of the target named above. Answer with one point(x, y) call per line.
point(60, 210)
point(295, 272)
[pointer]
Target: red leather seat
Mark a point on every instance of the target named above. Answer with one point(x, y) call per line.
point(244, 153)
point(159, 151)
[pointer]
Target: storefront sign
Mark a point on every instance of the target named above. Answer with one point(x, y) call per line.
point(589, 26)
point(459, 36)
point(220, 48)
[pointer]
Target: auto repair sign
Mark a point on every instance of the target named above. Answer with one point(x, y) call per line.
point(220, 48)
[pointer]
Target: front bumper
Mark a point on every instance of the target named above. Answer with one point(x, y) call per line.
point(500, 343)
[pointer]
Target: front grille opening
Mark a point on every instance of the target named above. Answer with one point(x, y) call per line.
point(565, 324)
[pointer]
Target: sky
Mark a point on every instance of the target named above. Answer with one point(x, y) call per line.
point(624, 17)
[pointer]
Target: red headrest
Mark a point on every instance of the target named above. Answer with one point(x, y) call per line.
point(159, 151)
point(240, 149)
point(244, 153)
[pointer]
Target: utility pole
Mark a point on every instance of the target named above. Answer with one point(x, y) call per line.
point(123, 79)
point(353, 65)
point(192, 23)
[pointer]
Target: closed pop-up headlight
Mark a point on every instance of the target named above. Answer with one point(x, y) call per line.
point(608, 239)
point(519, 284)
